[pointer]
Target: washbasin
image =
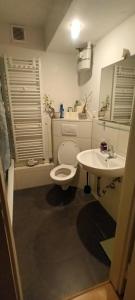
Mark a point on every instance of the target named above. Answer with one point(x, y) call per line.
point(98, 163)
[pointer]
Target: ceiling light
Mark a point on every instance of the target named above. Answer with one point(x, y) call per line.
point(75, 29)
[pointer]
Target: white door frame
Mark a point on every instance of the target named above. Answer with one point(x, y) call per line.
point(130, 286)
point(11, 249)
point(125, 225)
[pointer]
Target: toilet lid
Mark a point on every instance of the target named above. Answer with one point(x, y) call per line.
point(67, 153)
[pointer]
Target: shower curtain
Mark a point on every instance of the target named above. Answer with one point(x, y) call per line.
point(4, 140)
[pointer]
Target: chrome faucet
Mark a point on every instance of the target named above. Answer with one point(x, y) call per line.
point(110, 151)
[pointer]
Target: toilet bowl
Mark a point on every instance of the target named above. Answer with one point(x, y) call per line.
point(66, 170)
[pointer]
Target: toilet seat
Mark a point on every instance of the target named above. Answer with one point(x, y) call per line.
point(66, 170)
point(63, 173)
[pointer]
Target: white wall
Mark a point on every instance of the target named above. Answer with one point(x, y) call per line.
point(118, 137)
point(107, 51)
point(58, 73)
point(60, 78)
point(114, 134)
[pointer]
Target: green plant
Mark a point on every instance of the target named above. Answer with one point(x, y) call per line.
point(48, 105)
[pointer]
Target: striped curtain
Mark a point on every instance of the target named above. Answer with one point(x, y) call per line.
point(4, 140)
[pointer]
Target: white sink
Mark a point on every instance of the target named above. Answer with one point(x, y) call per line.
point(99, 164)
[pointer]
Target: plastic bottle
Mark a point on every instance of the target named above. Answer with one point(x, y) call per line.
point(77, 106)
point(61, 111)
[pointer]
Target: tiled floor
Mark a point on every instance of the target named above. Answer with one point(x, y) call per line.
point(57, 235)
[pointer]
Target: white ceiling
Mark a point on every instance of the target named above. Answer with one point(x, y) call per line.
point(24, 12)
point(44, 14)
point(98, 17)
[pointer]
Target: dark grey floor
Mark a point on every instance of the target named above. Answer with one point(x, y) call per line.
point(57, 236)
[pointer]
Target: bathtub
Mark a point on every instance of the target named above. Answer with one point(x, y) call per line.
point(27, 177)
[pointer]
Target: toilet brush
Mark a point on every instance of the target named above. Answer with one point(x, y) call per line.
point(87, 188)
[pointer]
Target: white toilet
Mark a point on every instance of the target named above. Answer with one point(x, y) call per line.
point(66, 170)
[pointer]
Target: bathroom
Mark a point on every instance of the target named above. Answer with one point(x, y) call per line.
point(64, 219)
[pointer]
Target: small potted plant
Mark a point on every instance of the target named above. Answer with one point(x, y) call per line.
point(48, 106)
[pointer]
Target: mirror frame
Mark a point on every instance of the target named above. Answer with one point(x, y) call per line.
point(99, 107)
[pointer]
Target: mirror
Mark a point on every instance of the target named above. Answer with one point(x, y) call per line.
point(117, 91)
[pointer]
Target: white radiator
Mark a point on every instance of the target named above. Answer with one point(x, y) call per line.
point(23, 83)
point(123, 94)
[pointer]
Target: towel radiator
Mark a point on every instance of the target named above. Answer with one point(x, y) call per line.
point(123, 94)
point(28, 128)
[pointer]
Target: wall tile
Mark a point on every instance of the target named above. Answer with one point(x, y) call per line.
point(122, 142)
point(116, 137)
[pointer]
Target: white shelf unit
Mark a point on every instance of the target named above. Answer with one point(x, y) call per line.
point(23, 83)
